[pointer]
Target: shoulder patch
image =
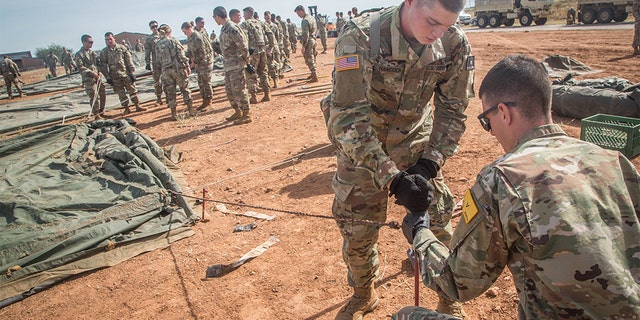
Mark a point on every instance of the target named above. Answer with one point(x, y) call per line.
point(469, 208)
point(347, 62)
point(471, 63)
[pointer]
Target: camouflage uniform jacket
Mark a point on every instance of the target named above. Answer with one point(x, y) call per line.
point(51, 60)
point(635, 9)
point(200, 48)
point(308, 30)
point(66, 57)
point(8, 68)
point(116, 62)
point(270, 37)
point(205, 37)
point(255, 34)
point(235, 48)
point(87, 62)
point(292, 30)
point(277, 32)
point(150, 49)
point(340, 22)
point(571, 241)
point(321, 23)
point(170, 53)
point(380, 112)
point(285, 32)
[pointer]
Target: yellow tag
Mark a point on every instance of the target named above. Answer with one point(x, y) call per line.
point(469, 209)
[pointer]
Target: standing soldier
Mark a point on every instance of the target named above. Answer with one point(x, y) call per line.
point(67, 61)
point(293, 35)
point(274, 58)
point(200, 28)
point(235, 53)
point(152, 61)
point(175, 69)
point(139, 47)
point(87, 63)
point(257, 38)
point(201, 54)
point(285, 42)
point(51, 61)
point(322, 31)
point(308, 41)
point(636, 35)
point(389, 137)
point(117, 67)
point(10, 72)
point(340, 22)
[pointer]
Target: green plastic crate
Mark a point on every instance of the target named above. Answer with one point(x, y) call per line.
point(613, 132)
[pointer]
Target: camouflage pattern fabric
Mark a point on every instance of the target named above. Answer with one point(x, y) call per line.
point(635, 10)
point(419, 313)
point(10, 72)
point(286, 46)
point(340, 22)
point(151, 59)
point(206, 38)
point(51, 61)
point(87, 62)
point(175, 66)
point(201, 52)
point(380, 119)
point(273, 57)
point(235, 51)
point(292, 29)
point(116, 65)
point(256, 37)
point(571, 242)
point(322, 31)
point(67, 61)
point(308, 41)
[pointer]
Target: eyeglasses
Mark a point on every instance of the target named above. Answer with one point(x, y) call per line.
point(484, 121)
point(153, 27)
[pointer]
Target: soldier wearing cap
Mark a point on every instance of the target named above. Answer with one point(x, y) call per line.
point(308, 41)
point(153, 64)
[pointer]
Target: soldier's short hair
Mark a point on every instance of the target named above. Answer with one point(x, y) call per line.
point(108, 34)
point(248, 10)
point(186, 25)
point(298, 8)
point(198, 19)
point(220, 11)
point(85, 37)
point(164, 29)
point(267, 13)
point(233, 11)
point(454, 6)
point(256, 15)
point(152, 22)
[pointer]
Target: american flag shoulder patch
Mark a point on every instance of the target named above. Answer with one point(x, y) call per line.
point(347, 62)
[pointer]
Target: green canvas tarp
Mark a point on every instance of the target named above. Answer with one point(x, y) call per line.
point(583, 98)
point(75, 198)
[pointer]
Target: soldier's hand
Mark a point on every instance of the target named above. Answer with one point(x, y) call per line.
point(302, 50)
point(412, 191)
point(413, 222)
point(148, 67)
point(251, 69)
point(109, 81)
point(425, 167)
point(132, 78)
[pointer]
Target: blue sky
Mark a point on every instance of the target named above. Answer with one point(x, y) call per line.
point(27, 25)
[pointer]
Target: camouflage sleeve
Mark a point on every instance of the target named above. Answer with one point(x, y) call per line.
point(180, 55)
point(82, 69)
point(304, 36)
point(103, 64)
point(128, 62)
point(240, 39)
point(451, 99)
point(147, 51)
point(479, 251)
point(271, 40)
point(349, 121)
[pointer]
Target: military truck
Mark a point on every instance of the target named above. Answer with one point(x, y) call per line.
point(604, 11)
point(505, 12)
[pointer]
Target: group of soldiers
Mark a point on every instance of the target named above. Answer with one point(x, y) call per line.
point(51, 61)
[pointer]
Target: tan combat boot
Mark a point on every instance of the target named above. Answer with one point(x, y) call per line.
point(245, 118)
point(451, 307)
point(636, 50)
point(253, 98)
point(174, 114)
point(127, 110)
point(192, 112)
point(314, 77)
point(205, 103)
point(140, 108)
point(275, 82)
point(235, 116)
point(267, 97)
point(364, 300)
point(159, 101)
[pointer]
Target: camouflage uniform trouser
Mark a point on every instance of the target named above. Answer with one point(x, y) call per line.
point(156, 71)
point(356, 197)
point(97, 98)
point(294, 43)
point(259, 60)
point(172, 78)
point(419, 313)
point(235, 86)
point(273, 61)
point(122, 86)
point(204, 70)
point(68, 67)
point(11, 80)
point(636, 34)
point(310, 55)
point(323, 38)
point(52, 70)
point(287, 49)
point(284, 60)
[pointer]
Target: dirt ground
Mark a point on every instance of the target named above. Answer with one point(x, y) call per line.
point(283, 160)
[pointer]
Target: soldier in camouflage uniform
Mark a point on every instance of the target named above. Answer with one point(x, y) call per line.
point(152, 61)
point(380, 118)
point(285, 43)
point(292, 29)
point(67, 61)
point(308, 41)
point(117, 67)
point(201, 54)
point(10, 72)
point(87, 62)
point(571, 242)
point(200, 28)
point(321, 22)
point(340, 22)
point(273, 55)
point(175, 70)
point(258, 40)
point(235, 52)
point(636, 35)
point(51, 61)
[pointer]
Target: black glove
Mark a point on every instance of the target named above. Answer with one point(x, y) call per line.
point(413, 222)
point(412, 191)
point(251, 69)
point(109, 81)
point(251, 51)
point(425, 167)
point(132, 78)
point(148, 67)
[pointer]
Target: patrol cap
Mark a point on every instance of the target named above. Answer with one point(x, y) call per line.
point(298, 8)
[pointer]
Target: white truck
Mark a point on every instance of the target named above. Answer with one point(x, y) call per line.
point(505, 12)
point(604, 11)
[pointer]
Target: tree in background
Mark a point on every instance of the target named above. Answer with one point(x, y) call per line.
point(56, 48)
